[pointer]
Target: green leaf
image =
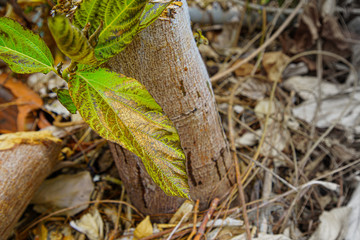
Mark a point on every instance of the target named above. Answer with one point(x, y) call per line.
point(71, 41)
point(121, 21)
point(65, 99)
point(89, 11)
point(151, 12)
point(23, 50)
point(121, 110)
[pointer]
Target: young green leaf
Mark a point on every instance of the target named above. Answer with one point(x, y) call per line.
point(121, 110)
point(151, 12)
point(71, 41)
point(89, 11)
point(121, 21)
point(23, 50)
point(65, 99)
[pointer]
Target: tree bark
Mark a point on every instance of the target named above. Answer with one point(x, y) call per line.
point(22, 169)
point(165, 58)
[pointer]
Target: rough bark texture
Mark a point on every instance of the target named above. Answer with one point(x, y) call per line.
point(165, 58)
point(22, 170)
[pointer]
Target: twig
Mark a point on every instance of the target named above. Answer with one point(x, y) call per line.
point(353, 71)
point(271, 172)
point(235, 159)
point(207, 217)
point(220, 75)
point(319, 75)
point(177, 226)
point(193, 232)
point(264, 216)
point(221, 16)
point(76, 206)
point(262, 139)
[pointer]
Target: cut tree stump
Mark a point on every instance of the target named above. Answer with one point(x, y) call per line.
point(26, 159)
point(164, 57)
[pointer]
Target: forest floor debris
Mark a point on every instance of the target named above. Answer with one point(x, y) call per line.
point(288, 96)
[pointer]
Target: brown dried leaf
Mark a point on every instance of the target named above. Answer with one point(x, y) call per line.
point(308, 30)
point(26, 99)
point(244, 70)
point(8, 111)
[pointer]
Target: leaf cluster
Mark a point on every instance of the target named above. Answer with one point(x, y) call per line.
point(118, 108)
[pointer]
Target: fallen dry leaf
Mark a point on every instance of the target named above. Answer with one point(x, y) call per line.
point(308, 30)
point(185, 208)
point(277, 137)
point(330, 111)
point(274, 64)
point(143, 229)
point(244, 70)
point(254, 88)
point(40, 232)
point(64, 191)
point(308, 87)
point(26, 99)
point(9, 140)
point(333, 224)
point(91, 224)
point(354, 217)
point(8, 111)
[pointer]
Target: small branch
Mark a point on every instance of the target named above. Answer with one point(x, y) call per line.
point(235, 159)
point(193, 232)
point(220, 75)
point(207, 217)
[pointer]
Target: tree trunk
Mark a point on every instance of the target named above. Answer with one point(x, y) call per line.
point(22, 169)
point(165, 58)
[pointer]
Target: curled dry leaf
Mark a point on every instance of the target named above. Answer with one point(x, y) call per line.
point(144, 229)
point(91, 224)
point(185, 208)
point(309, 88)
point(26, 99)
point(274, 64)
point(244, 70)
point(330, 111)
point(247, 139)
point(276, 133)
point(8, 141)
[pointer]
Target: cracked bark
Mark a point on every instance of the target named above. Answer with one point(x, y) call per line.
point(165, 58)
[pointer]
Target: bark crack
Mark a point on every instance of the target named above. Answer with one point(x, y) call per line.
point(190, 169)
point(142, 185)
point(184, 115)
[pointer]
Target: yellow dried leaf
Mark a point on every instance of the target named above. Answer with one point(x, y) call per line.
point(9, 140)
point(41, 232)
point(143, 229)
point(185, 209)
point(274, 64)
